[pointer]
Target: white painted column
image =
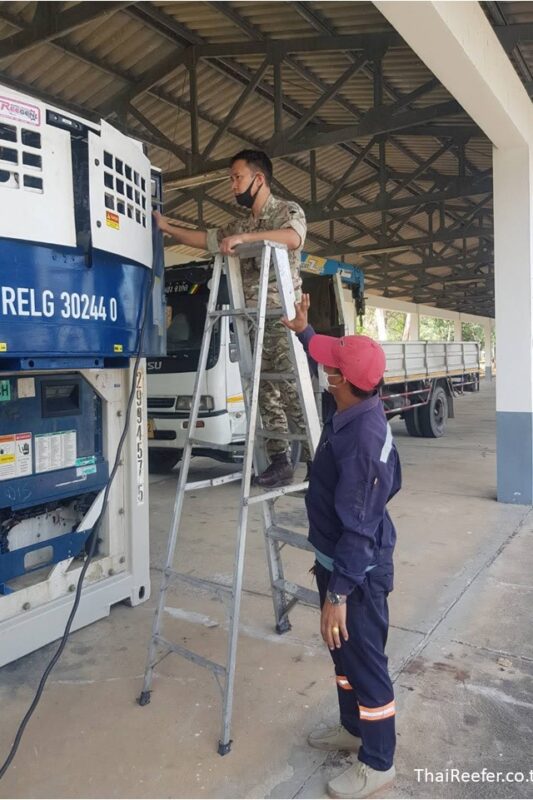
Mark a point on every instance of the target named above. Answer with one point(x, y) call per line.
point(412, 324)
point(380, 322)
point(457, 329)
point(513, 256)
point(487, 330)
point(457, 43)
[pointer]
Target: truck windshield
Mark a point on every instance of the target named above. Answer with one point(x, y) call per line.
point(186, 312)
point(187, 322)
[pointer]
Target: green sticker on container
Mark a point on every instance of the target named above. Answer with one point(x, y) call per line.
point(5, 391)
point(85, 466)
point(85, 460)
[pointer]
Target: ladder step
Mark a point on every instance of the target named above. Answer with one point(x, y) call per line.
point(307, 596)
point(244, 312)
point(193, 485)
point(199, 583)
point(278, 376)
point(284, 437)
point(289, 537)
point(274, 493)
point(232, 312)
point(217, 669)
point(238, 449)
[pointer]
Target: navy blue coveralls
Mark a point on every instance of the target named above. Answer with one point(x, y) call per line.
point(355, 472)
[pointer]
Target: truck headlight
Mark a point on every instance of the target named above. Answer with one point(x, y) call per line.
point(184, 402)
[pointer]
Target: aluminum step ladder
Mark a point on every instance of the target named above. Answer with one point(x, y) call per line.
point(285, 594)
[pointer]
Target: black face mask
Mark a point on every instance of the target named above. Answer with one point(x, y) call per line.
point(246, 198)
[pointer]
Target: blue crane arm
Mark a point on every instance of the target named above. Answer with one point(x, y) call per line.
point(350, 274)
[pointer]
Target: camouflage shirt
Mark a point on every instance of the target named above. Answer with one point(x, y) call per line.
point(275, 215)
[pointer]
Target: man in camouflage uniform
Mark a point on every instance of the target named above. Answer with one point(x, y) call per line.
point(280, 221)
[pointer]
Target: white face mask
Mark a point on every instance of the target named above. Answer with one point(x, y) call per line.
point(323, 380)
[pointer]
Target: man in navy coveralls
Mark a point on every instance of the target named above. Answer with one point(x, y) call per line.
point(355, 472)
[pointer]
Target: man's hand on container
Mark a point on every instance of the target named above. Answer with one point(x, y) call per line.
point(164, 223)
point(300, 321)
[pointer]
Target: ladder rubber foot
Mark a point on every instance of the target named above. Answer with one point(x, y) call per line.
point(223, 749)
point(144, 698)
point(283, 627)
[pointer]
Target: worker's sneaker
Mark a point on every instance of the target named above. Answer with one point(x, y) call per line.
point(279, 473)
point(360, 780)
point(334, 738)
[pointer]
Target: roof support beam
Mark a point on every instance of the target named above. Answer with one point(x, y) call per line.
point(393, 246)
point(337, 189)
point(241, 100)
point(298, 126)
point(377, 121)
point(463, 188)
point(50, 26)
point(279, 48)
point(164, 141)
point(511, 35)
point(473, 258)
point(420, 169)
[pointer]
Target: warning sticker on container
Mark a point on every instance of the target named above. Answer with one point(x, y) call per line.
point(86, 466)
point(313, 264)
point(112, 220)
point(55, 451)
point(15, 455)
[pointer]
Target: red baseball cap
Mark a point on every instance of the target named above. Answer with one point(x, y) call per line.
point(360, 359)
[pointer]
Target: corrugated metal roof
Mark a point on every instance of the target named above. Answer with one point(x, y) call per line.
point(90, 65)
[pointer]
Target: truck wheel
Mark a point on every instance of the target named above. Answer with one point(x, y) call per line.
point(412, 422)
point(160, 462)
point(434, 416)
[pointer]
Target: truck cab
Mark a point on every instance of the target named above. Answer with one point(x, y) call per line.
point(222, 422)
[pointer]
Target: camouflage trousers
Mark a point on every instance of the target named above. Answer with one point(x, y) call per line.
point(279, 402)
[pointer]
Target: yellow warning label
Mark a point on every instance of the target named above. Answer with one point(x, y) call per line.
point(118, 348)
point(112, 220)
point(313, 263)
point(3, 347)
point(7, 458)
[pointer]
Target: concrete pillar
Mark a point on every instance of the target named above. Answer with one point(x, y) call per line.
point(412, 327)
point(457, 43)
point(380, 322)
point(513, 261)
point(457, 329)
point(487, 330)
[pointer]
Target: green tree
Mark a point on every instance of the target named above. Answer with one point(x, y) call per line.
point(434, 329)
point(473, 333)
point(395, 322)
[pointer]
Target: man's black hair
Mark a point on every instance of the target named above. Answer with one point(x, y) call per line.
point(365, 395)
point(257, 160)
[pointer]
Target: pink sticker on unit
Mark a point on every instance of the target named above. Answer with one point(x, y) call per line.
point(19, 111)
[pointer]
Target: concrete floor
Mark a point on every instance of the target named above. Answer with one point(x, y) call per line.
point(461, 653)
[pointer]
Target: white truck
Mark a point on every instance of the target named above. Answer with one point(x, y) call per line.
point(421, 379)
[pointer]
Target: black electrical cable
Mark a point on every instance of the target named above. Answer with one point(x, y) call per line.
point(57, 655)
